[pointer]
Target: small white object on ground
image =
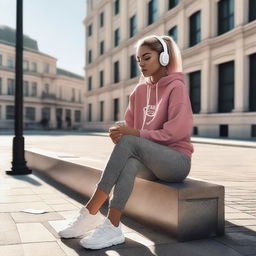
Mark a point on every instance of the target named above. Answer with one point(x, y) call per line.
point(35, 211)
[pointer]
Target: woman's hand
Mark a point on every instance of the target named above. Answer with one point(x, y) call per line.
point(118, 131)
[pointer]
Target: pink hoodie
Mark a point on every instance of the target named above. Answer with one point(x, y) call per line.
point(169, 117)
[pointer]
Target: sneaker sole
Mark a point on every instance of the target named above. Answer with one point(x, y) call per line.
point(108, 244)
point(81, 233)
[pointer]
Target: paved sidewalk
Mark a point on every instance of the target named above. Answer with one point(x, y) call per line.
point(25, 234)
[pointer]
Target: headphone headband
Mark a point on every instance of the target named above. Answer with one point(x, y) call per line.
point(163, 43)
point(164, 56)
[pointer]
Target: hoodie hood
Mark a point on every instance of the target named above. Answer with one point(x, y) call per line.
point(162, 82)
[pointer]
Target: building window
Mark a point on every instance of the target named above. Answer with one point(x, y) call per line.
point(30, 114)
point(60, 93)
point(225, 16)
point(11, 88)
point(195, 130)
point(25, 65)
point(0, 86)
point(253, 130)
point(172, 3)
point(46, 113)
point(33, 67)
point(116, 109)
point(173, 32)
point(46, 68)
point(10, 62)
point(252, 82)
point(9, 112)
point(223, 130)
point(89, 112)
point(101, 47)
point(101, 19)
point(117, 7)
point(117, 37)
point(133, 67)
point(68, 117)
point(195, 91)
point(77, 116)
point(133, 25)
point(89, 33)
point(116, 72)
point(89, 83)
point(101, 111)
point(34, 89)
point(252, 10)
point(46, 89)
point(89, 56)
point(73, 97)
point(226, 87)
point(101, 78)
point(152, 11)
point(25, 88)
point(1, 60)
point(195, 28)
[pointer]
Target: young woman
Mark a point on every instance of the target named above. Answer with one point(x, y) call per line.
point(154, 143)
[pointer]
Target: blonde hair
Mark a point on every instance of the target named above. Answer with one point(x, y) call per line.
point(175, 62)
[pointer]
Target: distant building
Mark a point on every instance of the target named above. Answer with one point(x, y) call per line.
point(53, 97)
point(217, 40)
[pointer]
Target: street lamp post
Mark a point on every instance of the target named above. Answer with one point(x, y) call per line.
point(19, 164)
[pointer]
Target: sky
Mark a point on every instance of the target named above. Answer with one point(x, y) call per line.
point(57, 25)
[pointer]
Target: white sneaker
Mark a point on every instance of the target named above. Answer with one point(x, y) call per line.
point(105, 235)
point(83, 223)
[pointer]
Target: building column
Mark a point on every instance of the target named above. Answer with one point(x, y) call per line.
point(181, 30)
point(142, 11)
point(241, 12)
point(162, 7)
point(206, 20)
point(124, 21)
point(213, 88)
point(108, 107)
point(108, 28)
point(205, 86)
point(240, 77)
point(53, 117)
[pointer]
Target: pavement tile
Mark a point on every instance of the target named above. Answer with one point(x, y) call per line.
point(43, 249)
point(20, 217)
point(8, 230)
point(16, 207)
point(241, 215)
point(139, 238)
point(19, 198)
point(34, 232)
point(202, 247)
point(12, 250)
point(17, 191)
point(55, 201)
point(64, 207)
point(68, 214)
point(244, 222)
point(52, 196)
point(237, 239)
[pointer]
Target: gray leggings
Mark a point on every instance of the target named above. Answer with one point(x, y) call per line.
point(136, 156)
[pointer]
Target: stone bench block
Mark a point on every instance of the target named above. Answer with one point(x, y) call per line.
point(189, 210)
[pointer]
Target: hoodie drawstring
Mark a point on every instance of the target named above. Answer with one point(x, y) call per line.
point(146, 111)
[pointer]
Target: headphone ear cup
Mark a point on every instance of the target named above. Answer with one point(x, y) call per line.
point(164, 59)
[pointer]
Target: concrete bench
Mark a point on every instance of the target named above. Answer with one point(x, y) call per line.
point(189, 210)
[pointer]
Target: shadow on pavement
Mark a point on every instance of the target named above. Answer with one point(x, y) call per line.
point(27, 178)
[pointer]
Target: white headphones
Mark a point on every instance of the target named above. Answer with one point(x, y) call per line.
point(164, 56)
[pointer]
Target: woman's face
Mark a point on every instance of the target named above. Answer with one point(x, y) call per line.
point(148, 61)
